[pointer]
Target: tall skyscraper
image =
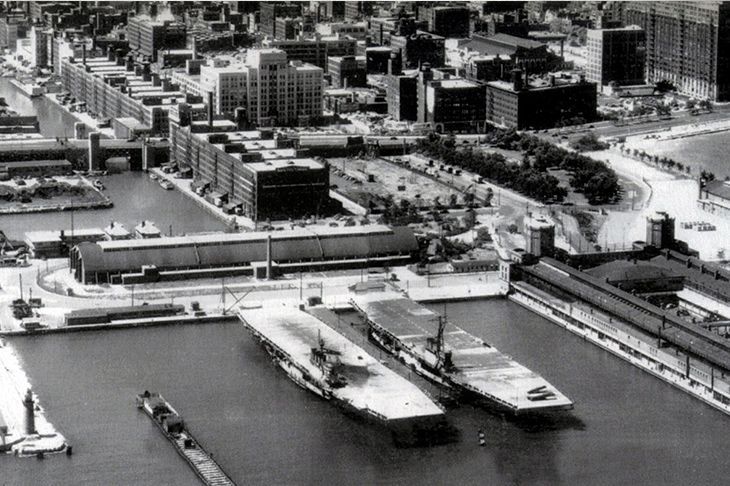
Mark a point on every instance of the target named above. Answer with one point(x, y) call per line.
point(687, 43)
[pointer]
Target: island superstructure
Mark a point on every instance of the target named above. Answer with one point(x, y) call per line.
point(319, 359)
point(448, 355)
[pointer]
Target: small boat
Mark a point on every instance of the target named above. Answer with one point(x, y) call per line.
point(98, 185)
point(153, 176)
point(165, 184)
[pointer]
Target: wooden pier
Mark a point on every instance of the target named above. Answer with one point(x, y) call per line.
point(172, 427)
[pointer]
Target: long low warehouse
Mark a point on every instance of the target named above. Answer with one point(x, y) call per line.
point(221, 254)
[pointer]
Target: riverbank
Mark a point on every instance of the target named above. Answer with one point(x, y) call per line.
point(184, 186)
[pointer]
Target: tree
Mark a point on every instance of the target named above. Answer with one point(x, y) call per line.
point(707, 176)
point(664, 86)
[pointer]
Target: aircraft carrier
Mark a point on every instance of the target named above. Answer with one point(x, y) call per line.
point(319, 359)
point(446, 354)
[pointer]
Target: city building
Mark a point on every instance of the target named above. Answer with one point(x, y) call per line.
point(356, 30)
point(527, 54)
point(445, 21)
point(347, 71)
point(355, 10)
point(315, 50)
point(377, 59)
point(615, 55)
point(251, 172)
point(270, 89)
point(489, 68)
point(554, 103)
point(402, 96)
point(14, 25)
point(539, 233)
point(328, 10)
point(419, 48)
point(147, 36)
point(116, 87)
point(454, 105)
point(271, 11)
point(687, 44)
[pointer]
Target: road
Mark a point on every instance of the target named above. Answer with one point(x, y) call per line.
point(608, 130)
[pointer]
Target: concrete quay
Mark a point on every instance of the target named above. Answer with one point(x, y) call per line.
point(60, 293)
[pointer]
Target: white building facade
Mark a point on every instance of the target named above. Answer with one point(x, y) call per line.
point(271, 90)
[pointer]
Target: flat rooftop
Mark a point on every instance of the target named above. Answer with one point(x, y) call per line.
point(273, 165)
point(478, 366)
point(458, 83)
point(370, 385)
point(212, 239)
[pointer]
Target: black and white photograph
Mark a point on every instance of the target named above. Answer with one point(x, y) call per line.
point(364, 243)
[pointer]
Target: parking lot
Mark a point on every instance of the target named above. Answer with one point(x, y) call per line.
point(374, 180)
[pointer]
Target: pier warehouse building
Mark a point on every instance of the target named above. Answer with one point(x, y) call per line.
point(265, 176)
point(222, 254)
point(118, 88)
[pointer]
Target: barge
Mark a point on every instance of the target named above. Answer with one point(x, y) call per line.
point(448, 355)
point(324, 362)
point(173, 428)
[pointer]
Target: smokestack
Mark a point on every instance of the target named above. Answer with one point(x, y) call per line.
point(517, 80)
point(552, 80)
point(120, 57)
point(83, 54)
point(166, 85)
point(184, 114)
point(240, 117)
point(137, 70)
point(268, 257)
point(109, 54)
point(146, 73)
point(130, 63)
point(155, 79)
point(94, 162)
point(210, 108)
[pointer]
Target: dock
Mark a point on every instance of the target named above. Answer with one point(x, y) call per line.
point(368, 387)
point(173, 428)
point(475, 367)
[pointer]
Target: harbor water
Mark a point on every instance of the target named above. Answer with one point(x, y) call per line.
point(53, 121)
point(136, 197)
point(627, 427)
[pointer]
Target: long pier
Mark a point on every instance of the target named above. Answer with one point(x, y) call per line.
point(172, 427)
point(649, 338)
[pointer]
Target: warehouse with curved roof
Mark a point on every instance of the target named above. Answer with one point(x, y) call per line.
point(239, 253)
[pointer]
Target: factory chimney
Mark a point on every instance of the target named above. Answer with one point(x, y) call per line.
point(269, 275)
point(94, 163)
point(210, 108)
